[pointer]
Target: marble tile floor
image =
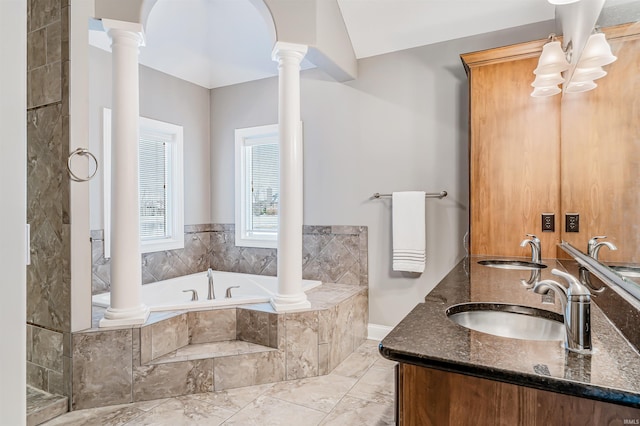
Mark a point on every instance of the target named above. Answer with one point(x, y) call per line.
point(360, 391)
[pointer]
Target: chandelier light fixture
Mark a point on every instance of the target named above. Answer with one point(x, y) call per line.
point(553, 62)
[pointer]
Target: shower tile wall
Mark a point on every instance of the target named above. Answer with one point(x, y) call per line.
point(330, 254)
point(48, 276)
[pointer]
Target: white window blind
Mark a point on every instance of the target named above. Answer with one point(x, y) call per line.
point(264, 181)
point(154, 185)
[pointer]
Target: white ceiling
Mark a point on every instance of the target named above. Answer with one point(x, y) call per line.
point(215, 43)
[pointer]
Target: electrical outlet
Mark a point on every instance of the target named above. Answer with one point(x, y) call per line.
point(572, 222)
point(548, 222)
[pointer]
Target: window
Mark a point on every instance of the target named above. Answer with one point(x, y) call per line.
point(257, 186)
point(160, 185)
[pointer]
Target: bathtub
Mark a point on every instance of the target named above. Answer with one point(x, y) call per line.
point(168, 295)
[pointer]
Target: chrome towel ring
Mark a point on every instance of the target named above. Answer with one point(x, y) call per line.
point(83, 152)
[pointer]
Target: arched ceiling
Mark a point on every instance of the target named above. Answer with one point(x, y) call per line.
point(216, 43)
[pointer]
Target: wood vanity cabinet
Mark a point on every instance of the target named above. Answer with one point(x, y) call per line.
point(514, 152)
point(427, 397)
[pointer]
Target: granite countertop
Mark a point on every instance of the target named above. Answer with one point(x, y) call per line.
point(428, 338)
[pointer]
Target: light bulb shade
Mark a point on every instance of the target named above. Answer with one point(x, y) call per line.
point(552, 59)
point(596, 53)
point(546, 80)
point(559, 2)
point(580, 75)
point(541, 92)
point(575, 87)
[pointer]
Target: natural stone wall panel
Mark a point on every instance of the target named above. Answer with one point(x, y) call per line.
point(48, 196)
point(302, 344)
point(56, 382)
point(37, 376)
point(195, 254)
point(145, 345)
point(249, 369)
point(312, 245)
point(47, 349)
point(42, 13)
point(48, 281)
point(342, 337)
point(277, 332)
point(212, 326)
point(360, 318)
point(323, 359)
point(102, 368)
point(327, 324)
point(36, 49)
point(164, 265)
point(175, 379)
point(330, 254)
point(331, 263)
point(169, 335)
point(253, 326)
point(364, 257)
point(44, 85)
point(53, 41)
point(29, 341)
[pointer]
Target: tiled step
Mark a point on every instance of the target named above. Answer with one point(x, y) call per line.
point(43, 406)
point(211, 350)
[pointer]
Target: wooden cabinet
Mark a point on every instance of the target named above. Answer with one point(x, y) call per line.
point(433, 397)
point(514, 152)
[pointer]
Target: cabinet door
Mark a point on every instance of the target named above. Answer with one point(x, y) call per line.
point(435, 398)
point(515, 159)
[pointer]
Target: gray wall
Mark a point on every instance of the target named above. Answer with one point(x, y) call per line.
point(402, 125)
point(164, 98)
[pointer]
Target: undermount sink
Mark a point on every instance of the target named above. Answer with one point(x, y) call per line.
point(512, 321)
point(626, 271)
point(512, 264)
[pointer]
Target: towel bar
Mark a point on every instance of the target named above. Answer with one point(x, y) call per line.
point(441, 194)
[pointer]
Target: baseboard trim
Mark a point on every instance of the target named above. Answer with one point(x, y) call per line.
point(377, 332)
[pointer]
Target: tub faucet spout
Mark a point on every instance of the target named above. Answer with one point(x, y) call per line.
point(212, 294)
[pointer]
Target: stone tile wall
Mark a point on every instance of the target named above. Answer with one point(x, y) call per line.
point(117, 366)
point(45, 360)
point(48, 276)
point(332, 254)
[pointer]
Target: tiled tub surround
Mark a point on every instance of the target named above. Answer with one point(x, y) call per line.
point(180, 353)
point(426, 337)
point(331, 254)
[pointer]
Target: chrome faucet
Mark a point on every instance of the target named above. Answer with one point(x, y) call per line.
point(593, 247)
point(576, 304)
point(212, 294)
point(228, 294)
point(536, 251)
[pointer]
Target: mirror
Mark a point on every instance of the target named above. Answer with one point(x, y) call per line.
point(600, 149)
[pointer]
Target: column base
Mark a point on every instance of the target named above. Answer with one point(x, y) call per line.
point(114, 317)
point(285, 303)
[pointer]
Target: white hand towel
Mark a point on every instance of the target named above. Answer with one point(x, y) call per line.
point(408, 217)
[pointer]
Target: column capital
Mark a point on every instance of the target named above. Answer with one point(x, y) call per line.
point(283, 49)
point(131, 29)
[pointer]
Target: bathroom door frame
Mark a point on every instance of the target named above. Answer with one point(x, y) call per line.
point(13, 214)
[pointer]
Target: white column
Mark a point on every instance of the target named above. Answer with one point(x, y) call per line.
point(126, 281)
point(290, 295)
